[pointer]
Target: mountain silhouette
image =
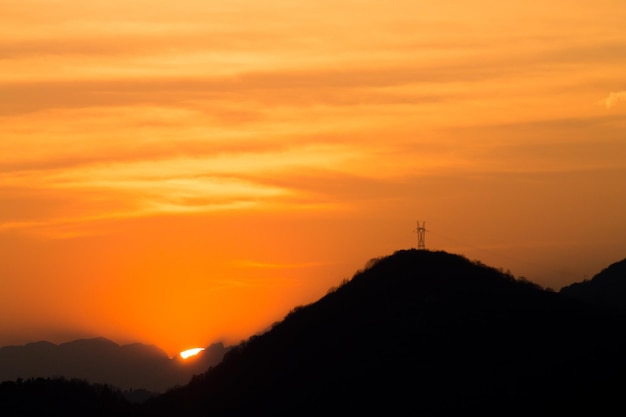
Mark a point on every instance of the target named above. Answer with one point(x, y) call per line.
point(419, 333)
point(60, 397)
point(99, 360)
point(415, 333)
point(606, 289)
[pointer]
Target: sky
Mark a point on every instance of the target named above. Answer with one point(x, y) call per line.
point(180, 173)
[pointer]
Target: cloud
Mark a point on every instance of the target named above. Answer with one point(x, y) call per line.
point(246, 92)
point(277, 265)
point(613, 99)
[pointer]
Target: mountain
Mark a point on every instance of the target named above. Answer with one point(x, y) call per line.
point(607, 288)
point(99, 360)
point(60, 397)
point(420, 333)
point(414, 333)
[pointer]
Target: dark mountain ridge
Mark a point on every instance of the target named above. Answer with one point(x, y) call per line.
point(414, 333)
point(417, 332)
point(606, 289)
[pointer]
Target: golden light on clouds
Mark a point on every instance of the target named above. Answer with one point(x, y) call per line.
point(614, 98)
point(262, 152)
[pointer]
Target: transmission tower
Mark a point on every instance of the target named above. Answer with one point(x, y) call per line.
point(421, 235)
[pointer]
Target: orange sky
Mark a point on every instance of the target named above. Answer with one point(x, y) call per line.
point(183, 172)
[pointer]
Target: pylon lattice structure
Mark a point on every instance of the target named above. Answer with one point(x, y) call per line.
point(421, 236)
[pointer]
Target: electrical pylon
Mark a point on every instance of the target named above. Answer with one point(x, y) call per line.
point(421, 235)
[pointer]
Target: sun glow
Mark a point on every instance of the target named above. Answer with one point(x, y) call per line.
point(190, 352)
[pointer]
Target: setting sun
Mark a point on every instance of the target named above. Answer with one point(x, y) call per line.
point(190, 352)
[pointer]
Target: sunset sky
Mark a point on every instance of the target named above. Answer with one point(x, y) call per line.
point(182, 172)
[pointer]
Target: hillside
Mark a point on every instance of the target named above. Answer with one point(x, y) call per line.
point(60, 397)
point(605, 289)
point(414, 333)
point(421, 333)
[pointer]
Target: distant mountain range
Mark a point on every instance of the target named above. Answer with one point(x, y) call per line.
point(415, 333)
point(99, 360)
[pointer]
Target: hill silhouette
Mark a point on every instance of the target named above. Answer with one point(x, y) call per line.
point(60, 397)
point(422, 333)
point(414, 333)
point(606, 289)
point(99, 360)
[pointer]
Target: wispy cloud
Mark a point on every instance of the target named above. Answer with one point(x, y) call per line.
point(613, 98)
point(277, 265)
point(129, 188)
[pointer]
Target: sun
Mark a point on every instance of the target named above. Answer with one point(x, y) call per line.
point(185, 354)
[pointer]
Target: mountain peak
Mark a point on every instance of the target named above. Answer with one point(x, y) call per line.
point(95, 341)
point(426, 276)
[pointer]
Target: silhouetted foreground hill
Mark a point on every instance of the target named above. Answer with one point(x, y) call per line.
point(134, 366)
point(420, 333)
point(606, 289)
point(416, 333)
point(59, 397)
